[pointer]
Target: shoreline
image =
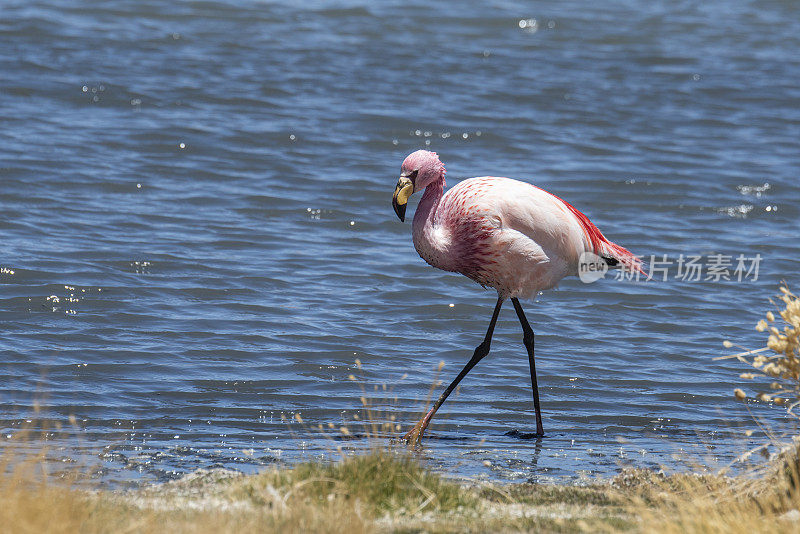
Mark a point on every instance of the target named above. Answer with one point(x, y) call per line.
point(390, 491)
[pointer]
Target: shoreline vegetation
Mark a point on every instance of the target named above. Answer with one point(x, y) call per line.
point(389, 490)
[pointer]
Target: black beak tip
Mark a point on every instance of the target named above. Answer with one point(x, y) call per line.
point(400, 210)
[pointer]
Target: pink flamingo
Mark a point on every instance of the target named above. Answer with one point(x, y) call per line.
point(501, 233)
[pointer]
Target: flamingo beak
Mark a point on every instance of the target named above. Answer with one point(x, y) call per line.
point(400, 199)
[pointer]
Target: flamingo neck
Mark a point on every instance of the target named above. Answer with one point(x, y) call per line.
point(426, 210)
point(431, 238)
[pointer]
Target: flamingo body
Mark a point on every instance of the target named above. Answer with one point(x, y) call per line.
point(501, 233)
point(506, 234)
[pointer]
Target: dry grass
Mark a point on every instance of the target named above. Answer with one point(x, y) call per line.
point(381, 491)
point(688, 503)
point(386, 491)
point(779, 362)
point(277, 501)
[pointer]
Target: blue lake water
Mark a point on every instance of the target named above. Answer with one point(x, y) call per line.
point(197, 240)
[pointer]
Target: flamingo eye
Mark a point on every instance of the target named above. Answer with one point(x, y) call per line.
point(413, 174)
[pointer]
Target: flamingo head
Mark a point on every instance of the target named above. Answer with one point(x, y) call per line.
point(419, 169)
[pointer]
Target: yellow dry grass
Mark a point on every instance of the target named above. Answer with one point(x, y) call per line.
point(779, 361)
point(388, 491)
point(699, 504)
point(31, 503)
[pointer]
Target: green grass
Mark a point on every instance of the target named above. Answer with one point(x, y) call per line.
point(382, 481)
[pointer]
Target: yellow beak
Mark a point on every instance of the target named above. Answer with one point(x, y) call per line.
point(404, 189)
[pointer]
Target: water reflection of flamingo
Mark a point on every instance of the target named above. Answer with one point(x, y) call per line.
point(504, 234)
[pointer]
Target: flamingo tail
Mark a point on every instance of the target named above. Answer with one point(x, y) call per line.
point(615, 255)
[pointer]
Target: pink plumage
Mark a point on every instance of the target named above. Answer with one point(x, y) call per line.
point(502, 233)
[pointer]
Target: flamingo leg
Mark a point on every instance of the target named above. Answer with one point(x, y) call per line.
point(415, 434)
point(527, 339)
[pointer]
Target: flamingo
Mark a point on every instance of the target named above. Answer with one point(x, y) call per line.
point(502, 233)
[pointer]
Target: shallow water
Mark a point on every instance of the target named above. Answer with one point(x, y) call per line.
point(198, 243)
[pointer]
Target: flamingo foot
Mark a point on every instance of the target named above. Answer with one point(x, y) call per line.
point(414, 436)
